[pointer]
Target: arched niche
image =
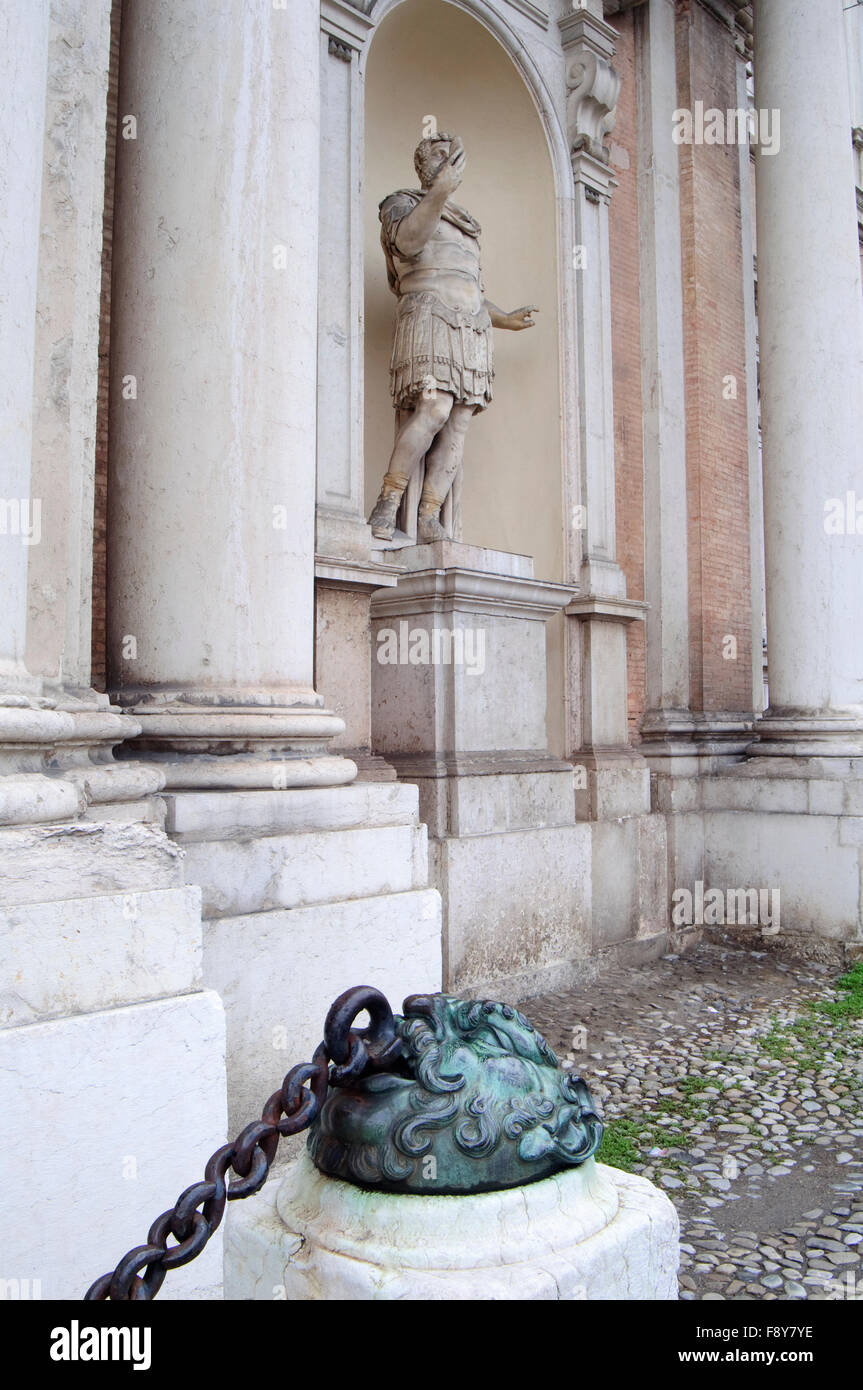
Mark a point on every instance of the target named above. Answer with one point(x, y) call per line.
point(499, 79)
point(429, 57)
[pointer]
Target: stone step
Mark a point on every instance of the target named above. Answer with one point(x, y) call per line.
point(286, 871)
point(78, 955)
point(77, 859)
point(230, 815)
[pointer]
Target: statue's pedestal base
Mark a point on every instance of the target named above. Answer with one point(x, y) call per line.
point(459, 708)
point(587, 1233)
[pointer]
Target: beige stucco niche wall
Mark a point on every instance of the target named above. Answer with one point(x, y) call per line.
point(428, 57)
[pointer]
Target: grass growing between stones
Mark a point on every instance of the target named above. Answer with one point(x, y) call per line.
point(657, 1138)
point(805, 1039)
point(619, 1147)
point(734, 1079)
point(851, 1005)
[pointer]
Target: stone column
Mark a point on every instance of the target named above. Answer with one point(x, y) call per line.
point(94, 915)
point(67, 345)
point(213, 393)
point(811, 328)
point(24, 33)
point(36, 737)
point(601, 611)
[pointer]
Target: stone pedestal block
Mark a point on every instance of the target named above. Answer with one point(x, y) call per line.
point(459, 655)
point(459, 708)
point(587, 1233)
point(343, 589)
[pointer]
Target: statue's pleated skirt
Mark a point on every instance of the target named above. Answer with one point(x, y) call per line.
point(437, 348)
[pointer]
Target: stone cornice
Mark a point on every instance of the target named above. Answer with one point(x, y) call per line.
point(612, 610)
point(456, 590)
point(594, 171)
point(736, 15)
point(346, 23)
point(613, 7)
point(582, 28)
point(539, 14)
point(480, 763)
point(355, 574)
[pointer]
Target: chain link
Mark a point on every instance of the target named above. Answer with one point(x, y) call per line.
point(291, 1109)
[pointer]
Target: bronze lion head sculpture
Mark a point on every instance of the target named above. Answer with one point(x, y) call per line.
point(473, 1099)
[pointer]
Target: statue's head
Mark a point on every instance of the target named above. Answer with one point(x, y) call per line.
point(431, 154)
point(477, 1101)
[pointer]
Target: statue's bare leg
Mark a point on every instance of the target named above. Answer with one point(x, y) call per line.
point(413, 442)
point(442, 464)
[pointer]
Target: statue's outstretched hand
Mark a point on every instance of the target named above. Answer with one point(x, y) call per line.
point(521, 318)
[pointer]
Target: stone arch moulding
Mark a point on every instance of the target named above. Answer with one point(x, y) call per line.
point(516, 46)
point(348, 28)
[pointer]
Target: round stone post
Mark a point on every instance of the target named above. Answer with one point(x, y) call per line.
point(811, 332)
point(213, 392)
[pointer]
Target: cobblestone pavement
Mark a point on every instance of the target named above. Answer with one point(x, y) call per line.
point(734, 1080)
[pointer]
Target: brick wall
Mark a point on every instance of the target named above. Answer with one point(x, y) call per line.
point(626, 353)
point(714, 349)
point(101, 481)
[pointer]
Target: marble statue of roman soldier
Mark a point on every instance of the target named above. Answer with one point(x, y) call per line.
point(442, 365)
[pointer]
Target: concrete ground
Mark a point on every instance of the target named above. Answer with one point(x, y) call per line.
point(732, 1078)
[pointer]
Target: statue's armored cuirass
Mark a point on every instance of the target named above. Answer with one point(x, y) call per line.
point(448, 264)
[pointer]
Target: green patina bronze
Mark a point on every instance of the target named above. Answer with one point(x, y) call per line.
point(476, 1101)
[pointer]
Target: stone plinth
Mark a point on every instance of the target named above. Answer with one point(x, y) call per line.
point(459, 708)
point(790, 825)
point(101, 1000)
point(459, 655)
point(587, 1233)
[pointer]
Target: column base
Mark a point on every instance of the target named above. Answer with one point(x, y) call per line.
point(808, 734)
point(781, 839)
point(56, 761)
point(588, 1233)
point(207, 772)
point(686, 743)
point(245, 746)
